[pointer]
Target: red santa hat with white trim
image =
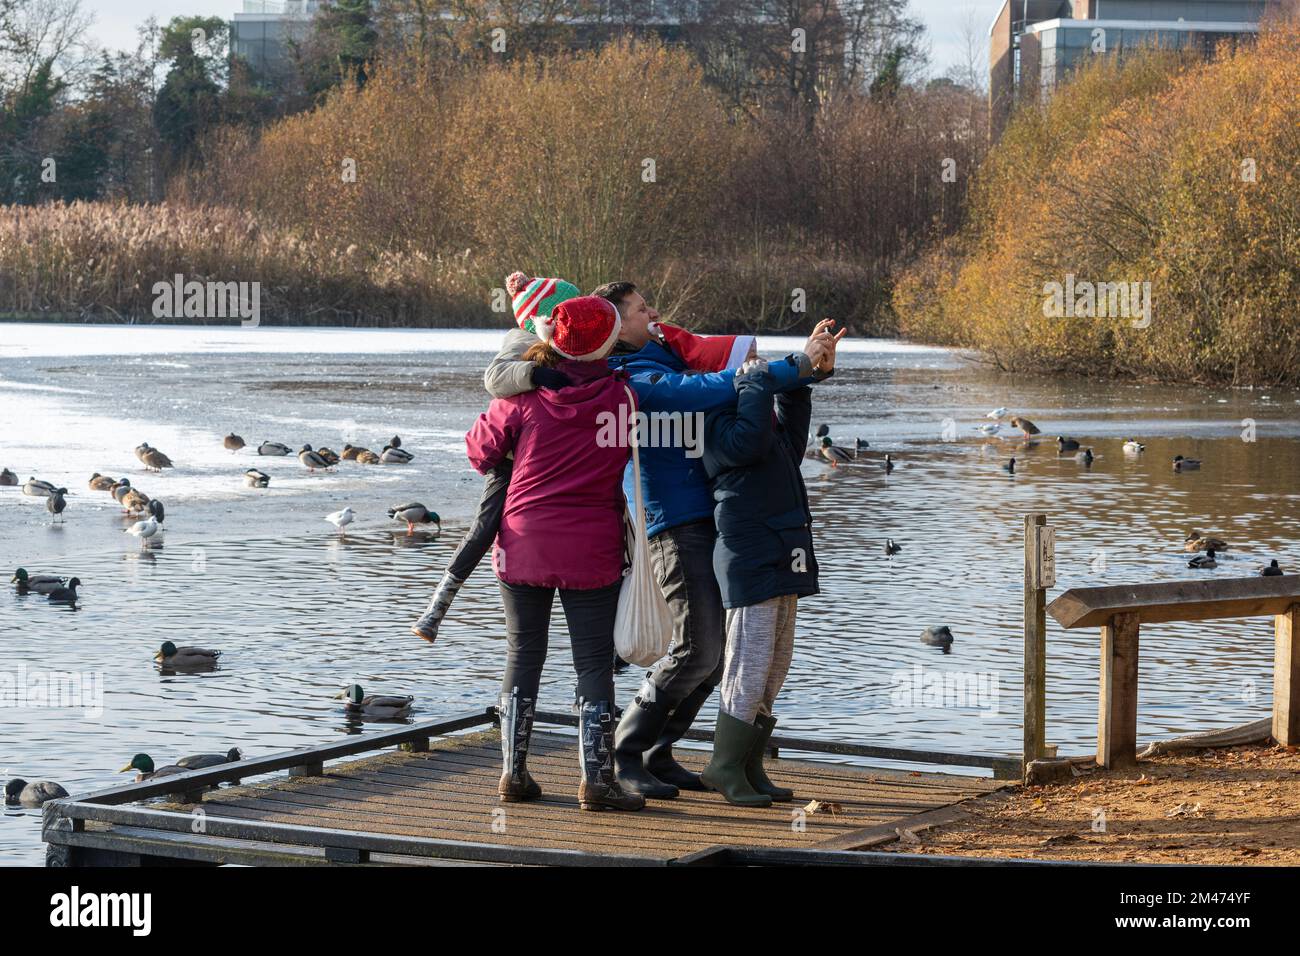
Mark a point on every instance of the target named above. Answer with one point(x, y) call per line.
point(706, 353)
point(584, 329)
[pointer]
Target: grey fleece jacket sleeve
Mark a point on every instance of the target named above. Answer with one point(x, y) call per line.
point(508, 374)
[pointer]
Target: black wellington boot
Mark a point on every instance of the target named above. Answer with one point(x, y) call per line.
point(599, 789)
point(427, 626)
point(754, 771)
point(659, 760)
point(726, 771)
point(638, 729)
point(517, 784)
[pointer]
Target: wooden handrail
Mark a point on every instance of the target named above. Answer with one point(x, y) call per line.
point(1177, 601)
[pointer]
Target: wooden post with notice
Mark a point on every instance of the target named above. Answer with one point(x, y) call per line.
point(1040, 574)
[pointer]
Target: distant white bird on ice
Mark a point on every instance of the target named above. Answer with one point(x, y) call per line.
point(341, 519)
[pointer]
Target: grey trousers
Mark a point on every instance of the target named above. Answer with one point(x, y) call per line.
point(760, 646)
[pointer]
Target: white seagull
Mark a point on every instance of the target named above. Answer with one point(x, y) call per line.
point(341, 519)
point(144, 530)
point(997, 413)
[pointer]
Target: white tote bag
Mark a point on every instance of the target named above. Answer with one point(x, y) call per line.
point(643, 627)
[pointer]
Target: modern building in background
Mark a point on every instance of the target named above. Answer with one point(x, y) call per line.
point(1033, 44)
point(261, 34)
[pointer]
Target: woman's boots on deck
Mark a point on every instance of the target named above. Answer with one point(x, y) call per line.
point(517, 784)
point(427, 626)
point(599, 789)
point(736, 770)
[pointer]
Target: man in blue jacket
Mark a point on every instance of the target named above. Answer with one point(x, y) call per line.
point(679, 522)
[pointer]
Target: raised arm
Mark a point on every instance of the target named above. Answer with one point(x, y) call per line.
point(743, 436)
point(508, 374)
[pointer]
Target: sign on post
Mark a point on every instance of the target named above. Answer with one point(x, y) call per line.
point(1044, 569)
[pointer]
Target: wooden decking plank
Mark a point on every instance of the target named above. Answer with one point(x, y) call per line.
point(512, 836)
point(718, 827)
point(644, 825)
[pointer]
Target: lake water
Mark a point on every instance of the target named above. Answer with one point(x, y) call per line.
point(299, 612)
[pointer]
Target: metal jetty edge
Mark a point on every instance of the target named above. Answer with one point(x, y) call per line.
point(425, 794)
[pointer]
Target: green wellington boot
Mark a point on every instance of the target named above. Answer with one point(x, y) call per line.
point(732, 743)
point(754, 764)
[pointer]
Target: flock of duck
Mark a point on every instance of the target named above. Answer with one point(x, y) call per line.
point(825, 448)
point(60, 589)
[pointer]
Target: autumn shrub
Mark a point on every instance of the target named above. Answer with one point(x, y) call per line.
point(1156, 170)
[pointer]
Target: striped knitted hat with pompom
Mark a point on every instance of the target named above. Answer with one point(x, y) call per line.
point(533, 300)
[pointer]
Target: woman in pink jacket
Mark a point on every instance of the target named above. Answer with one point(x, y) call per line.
point(562, 529)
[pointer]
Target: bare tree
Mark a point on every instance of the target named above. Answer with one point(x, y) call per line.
point(971, 69)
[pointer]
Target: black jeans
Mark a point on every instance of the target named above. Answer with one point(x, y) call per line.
point(590, 614)
point(487, 522)
point(683, 563)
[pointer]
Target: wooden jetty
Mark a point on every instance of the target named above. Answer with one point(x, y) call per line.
point(425, 794)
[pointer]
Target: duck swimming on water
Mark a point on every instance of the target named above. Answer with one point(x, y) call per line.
point(66, 595)
point(1066, 444)
point(170, 655)
point(375, 705)
point(1195, 541)
point(1204, 560)
point(1186, 464)
point(35, 583)
point(1272, 571)
point(20, 793)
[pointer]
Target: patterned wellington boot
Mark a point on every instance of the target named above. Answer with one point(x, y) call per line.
point(427, 626)
point(517, 784)
point(599, 789)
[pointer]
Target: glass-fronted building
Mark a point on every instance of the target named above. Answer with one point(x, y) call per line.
point(1034, 44)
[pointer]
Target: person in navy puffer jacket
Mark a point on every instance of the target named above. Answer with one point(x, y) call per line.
point(764, 561)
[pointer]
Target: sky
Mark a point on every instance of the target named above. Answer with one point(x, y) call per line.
point(116, 20)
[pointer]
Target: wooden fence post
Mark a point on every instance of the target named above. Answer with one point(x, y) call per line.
point(1035, 678)
point(1286, 677)
point(1118, 698)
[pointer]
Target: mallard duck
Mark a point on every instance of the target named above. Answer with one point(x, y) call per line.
point(145, 769)
point(413, 514)
point(199, 761)
point(154, 460)
point(173, 656)
point(1010, 467)
point(1272, 571)
point(66, 595)
point(891, 548)
point(233, 442)
point(37, 583)
point(395, 456)
point(374, 706)
point(1195, 541)
point(939, 636)
point(889, 463)
point(834, 453)
point(256, 479)
point(36, 488)
point(329, 455)
point(19, 792)
point(1205, 560)
point(134, 500)
point(119, 489)
point(311, 460)
point(395, 441)
point(143, 530)
point(1066, 444)
point(1186, 464)
point(274, 448)
point(367, 457)
point(350, 452)
point(100, 482)
point(55, 504)
point(341, 519)
point(1132, 447)
point(8, 478)
point(1027, 428)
